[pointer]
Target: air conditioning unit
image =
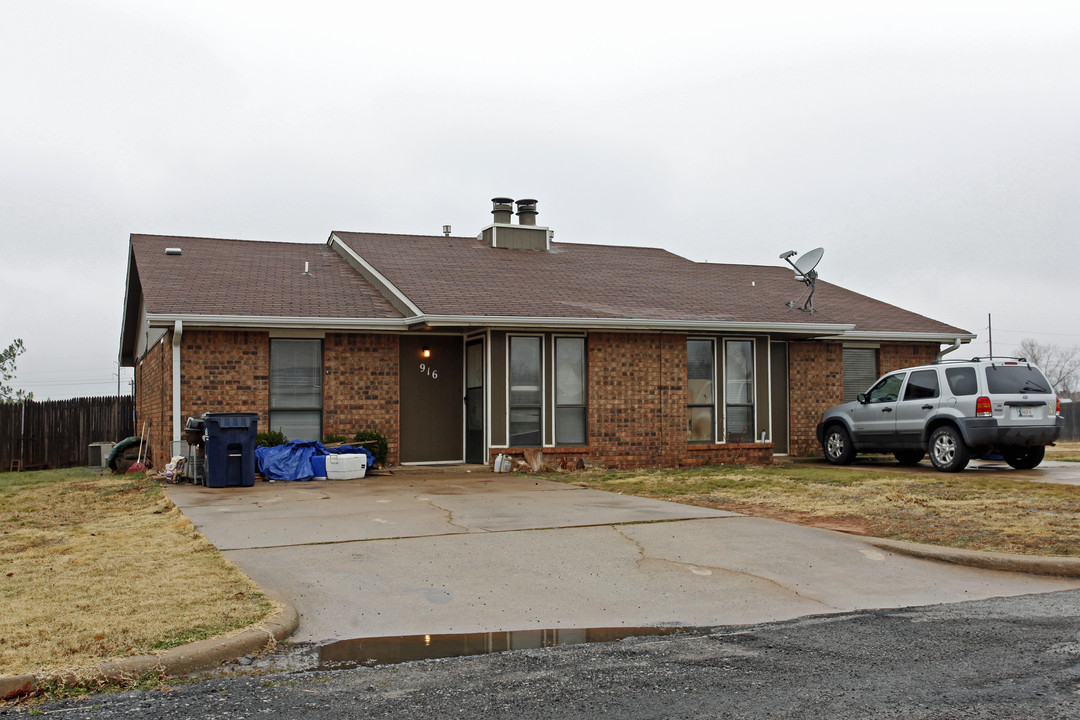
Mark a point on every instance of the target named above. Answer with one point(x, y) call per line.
point(99, 453)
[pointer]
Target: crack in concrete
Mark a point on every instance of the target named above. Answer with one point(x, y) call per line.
point(449, 513)
point(642, 557)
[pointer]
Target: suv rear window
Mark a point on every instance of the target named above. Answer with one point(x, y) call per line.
point(1015, 380)
point(962, 380)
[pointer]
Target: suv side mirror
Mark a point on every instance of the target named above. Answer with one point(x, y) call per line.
point(861, 398)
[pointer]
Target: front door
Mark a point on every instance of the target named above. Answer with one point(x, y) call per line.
point(431, 370)
point(474, 402)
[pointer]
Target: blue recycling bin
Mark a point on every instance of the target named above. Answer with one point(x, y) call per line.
point(230, 448)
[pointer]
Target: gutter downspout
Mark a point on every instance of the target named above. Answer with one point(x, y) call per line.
point(946, 351)
point(178, 334)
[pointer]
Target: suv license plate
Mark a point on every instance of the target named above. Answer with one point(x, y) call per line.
point(1025, 412)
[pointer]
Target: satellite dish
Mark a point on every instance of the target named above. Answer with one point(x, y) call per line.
point(806, 264)
point(806, 273)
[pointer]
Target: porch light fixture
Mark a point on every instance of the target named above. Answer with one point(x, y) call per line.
point(425, 352)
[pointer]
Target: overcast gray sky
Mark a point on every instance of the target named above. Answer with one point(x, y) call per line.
point(930, 147)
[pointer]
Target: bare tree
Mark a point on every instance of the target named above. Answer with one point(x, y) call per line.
point(1060, 365)
point(7, 372)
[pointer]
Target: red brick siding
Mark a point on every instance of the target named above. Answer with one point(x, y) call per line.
point(225, 371)
point(361, 391)
point(816, 383)
point(153, 399)
point(894, 357)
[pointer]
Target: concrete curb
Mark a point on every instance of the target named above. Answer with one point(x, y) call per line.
point(195, 656)
point(1035, 564)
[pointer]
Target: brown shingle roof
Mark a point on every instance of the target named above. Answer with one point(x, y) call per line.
point(262, 279)
point(464, 276)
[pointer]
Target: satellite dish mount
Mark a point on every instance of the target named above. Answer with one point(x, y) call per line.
point(805, 273)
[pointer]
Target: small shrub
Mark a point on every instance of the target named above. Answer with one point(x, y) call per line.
point(335, 438)
point(271, 438)
point(376, 443)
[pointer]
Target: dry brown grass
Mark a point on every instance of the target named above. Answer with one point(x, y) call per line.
point(1064, 452)
point(99, 566)
point(960, 510)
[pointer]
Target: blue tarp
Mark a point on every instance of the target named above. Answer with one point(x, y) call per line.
point(292, 461)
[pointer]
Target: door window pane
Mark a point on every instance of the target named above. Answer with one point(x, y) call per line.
point(922, 385)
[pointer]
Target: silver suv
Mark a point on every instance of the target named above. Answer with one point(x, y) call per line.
point(953, 409)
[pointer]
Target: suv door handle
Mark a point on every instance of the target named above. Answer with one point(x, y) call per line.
point(927, 407)
point(886, 409)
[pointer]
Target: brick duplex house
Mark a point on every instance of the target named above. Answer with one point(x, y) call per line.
point(459, 348)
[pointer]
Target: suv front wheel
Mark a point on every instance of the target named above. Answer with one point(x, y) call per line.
point(947, 449)
point(838, 448)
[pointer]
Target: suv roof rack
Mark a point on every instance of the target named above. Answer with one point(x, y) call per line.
point(986, 358)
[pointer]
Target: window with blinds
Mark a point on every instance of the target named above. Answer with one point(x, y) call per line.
point(860, 371)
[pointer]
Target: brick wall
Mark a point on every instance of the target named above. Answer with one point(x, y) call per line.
point(361, 391)
point(153, 399)
point(225, 371)
point(894, 357)
point(816, 383)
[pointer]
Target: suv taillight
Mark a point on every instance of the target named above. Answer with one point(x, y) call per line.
point(1058, 410)
point(982, 407)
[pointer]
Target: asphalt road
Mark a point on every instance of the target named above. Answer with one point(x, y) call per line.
point(1016, 657)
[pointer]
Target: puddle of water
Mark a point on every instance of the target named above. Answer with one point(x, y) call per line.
point(372, 651)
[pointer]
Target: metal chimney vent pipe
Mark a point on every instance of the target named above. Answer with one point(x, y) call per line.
point(526, 212)
point(503, 209)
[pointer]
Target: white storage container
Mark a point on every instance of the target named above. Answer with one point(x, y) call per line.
point(346, 467)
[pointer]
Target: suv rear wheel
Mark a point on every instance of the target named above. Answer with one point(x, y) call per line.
point(947, 449)
point(838, 447)
point(1024, 458)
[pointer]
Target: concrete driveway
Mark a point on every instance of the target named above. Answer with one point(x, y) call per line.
point(449, 552)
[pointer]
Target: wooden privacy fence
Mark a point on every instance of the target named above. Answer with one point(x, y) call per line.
point(1071, 413)
point(58, 433)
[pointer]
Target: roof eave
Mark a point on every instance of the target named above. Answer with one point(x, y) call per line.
point(273, 322)
point(885, 336)
point(129, 323)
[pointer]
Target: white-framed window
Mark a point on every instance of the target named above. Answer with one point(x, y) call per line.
point(296, 388)
point(570, 391)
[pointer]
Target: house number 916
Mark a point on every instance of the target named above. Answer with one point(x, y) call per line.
point(428, 370)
